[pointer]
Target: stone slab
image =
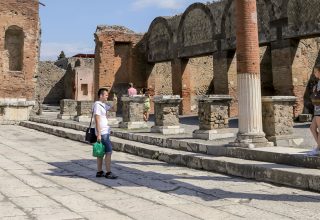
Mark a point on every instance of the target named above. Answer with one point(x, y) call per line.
point(211, 135)
point(167, 130)
point(66, 117)
point(133, 125)
point(286, 141)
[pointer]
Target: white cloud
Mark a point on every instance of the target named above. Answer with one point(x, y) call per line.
point(167, 4)
point(51, 50)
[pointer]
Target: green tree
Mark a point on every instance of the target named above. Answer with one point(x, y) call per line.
point(62, 55)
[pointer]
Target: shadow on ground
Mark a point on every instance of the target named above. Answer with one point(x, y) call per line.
point(169, 183)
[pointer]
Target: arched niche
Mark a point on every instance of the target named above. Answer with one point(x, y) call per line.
point(196, 31)
point(14, 42)
point(159, 42)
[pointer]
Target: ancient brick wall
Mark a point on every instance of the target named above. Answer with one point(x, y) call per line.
point(292, 66)
point(201, 79)
point(119, 59)
point(19, 48)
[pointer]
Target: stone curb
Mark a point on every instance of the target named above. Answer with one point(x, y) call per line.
point(303, 178)
point(297, 160)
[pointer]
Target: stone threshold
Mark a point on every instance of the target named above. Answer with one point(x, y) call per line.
point(303, 178)
point(280, 155)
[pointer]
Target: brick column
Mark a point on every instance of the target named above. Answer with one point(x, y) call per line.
point(248, 76)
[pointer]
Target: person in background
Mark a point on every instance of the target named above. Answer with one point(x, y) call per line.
point(102, 130)
point(131, 91)
point(146, 109)
point(315, 124)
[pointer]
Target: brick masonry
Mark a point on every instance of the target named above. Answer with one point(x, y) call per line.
point(19, 48)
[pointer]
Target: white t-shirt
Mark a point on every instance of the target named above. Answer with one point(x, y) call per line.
point(101, 109)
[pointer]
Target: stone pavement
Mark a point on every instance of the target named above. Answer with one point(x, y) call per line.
point(47, 177)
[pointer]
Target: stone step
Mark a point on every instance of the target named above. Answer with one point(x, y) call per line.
point(280, 155)
point(304, 178)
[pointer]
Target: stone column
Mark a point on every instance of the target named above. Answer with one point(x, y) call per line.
point(248, 76)
point(277, 118)
point(167, 114)
point(132, 112)
point(213, 114)
point(68, 109)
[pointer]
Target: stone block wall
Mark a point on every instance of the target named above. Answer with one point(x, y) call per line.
point(213, 116)
point(50, 83)
point(68, 107)
point(277, 116)
point(132, 109)
point(201, 79)
point(166, 114)
point(19, 48)
point(84, 108)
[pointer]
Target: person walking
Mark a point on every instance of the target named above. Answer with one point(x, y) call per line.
point(131, 90)
point(315, 124)
point(102, 130)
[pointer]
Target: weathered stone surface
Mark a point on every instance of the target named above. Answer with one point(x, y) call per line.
point(277, 115)
point(213, 111)
point(14, 110)
point(68, 108)
point(132, 112)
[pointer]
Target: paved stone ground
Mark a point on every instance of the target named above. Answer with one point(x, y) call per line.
point(46, 177)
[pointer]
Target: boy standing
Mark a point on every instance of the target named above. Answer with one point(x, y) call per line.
point(102, 130)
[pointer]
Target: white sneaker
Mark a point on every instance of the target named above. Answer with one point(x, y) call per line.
point(314, 152)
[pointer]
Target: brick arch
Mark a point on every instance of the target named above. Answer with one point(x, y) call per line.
point(183, 43)
point(159, 40)
point(14, 43)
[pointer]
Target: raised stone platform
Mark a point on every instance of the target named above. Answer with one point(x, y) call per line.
point(167, 115)
point(303, 178)
point(12, 111)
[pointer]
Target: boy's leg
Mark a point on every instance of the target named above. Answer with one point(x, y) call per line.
point(108, 162)
point(99, 164)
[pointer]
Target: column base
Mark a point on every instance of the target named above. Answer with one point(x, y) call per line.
point(251, 141)
point(210, 135)
point(133, 125)
point(167, 129)
point(286, 140)
point(66, 117)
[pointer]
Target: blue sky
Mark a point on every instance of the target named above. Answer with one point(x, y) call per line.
point(69, 25)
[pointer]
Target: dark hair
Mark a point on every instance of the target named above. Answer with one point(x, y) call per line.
point(101, 91)
point(317, 66)
point(130, 84)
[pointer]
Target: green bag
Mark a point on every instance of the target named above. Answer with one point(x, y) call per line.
point(98, 149)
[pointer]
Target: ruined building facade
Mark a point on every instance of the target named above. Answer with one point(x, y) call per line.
point(193, 53)
point(19, 48)
point(19, 55)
